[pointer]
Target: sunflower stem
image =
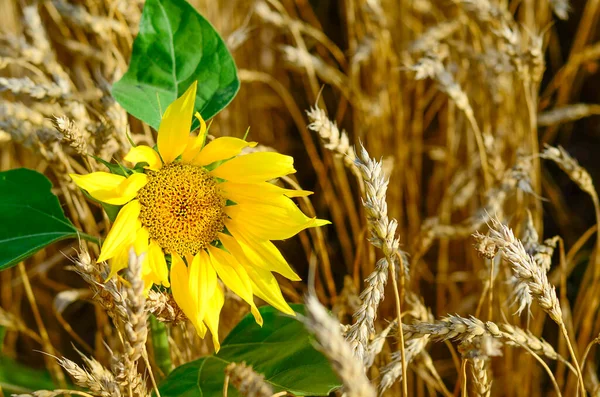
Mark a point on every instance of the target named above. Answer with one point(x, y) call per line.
point(160, 346)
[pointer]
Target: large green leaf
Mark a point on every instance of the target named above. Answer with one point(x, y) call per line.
point(30, 216)
point(281, 350)
point(176, 46)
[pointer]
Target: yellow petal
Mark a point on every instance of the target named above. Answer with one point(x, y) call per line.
point(215, 304)
point(192, 149)
point(264, 284)
point(275, 218)
point(257, 192)
point(255, 167)
point(141, 241)
point(125, 192)
point(235, 278)
point(110, 188)
point(221, 149)
point(158, 264)
point(97, 181)
point(260, 253)
point(123, 232)
point(118, 262)
point(195, 143)
point(181, 293)
point(203, 281)
point(144, 154)
point(175, 125)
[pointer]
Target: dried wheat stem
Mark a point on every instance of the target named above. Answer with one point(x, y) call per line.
point(428, 362)
point(247, 381)
point(595, 341)
point(399, 318)
point(431, 66)
point(515, 178)
point(47, 344)
point(341, 355)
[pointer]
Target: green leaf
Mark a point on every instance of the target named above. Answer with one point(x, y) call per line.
point(111, 210)
point(30, 215)
point(20, 379)
point(176, 46)
point(2, 335)
point(117, 169)
point(281, 350)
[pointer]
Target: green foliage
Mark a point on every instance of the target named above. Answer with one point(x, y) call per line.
point(30, 215)
point(176, 46)
point(281, 350)
point(160, 345)
point(117, 169)
point(18, 378)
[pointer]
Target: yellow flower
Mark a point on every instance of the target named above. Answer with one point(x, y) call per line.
point(211, 209)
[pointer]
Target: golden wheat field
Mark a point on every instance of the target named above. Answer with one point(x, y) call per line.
point(450, 246)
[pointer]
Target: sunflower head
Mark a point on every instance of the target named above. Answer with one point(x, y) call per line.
point(182, 208)
point(205, 209)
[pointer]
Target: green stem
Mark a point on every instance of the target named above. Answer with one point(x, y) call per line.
point(88, 237)
point(160, 346)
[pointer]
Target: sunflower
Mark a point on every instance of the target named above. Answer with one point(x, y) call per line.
point(212, 211)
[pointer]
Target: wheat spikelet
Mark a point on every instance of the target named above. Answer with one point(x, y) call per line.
point(466, 330)
point(71, 134)
point(333, 139)
point(561, 8)
point(164, 307)
point(432, 37)
point(341, 355)
point(526, 270)
point(358, 334)
point(109, 294)
point(566, 114)
point(482, 385)
point(248, 382)
point(26, 86)
point(571, 167)
point(382, 236)
point(80, 17)
point(392, 372)
point(135, 328)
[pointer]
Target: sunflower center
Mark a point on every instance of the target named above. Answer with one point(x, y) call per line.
point(181, 207)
